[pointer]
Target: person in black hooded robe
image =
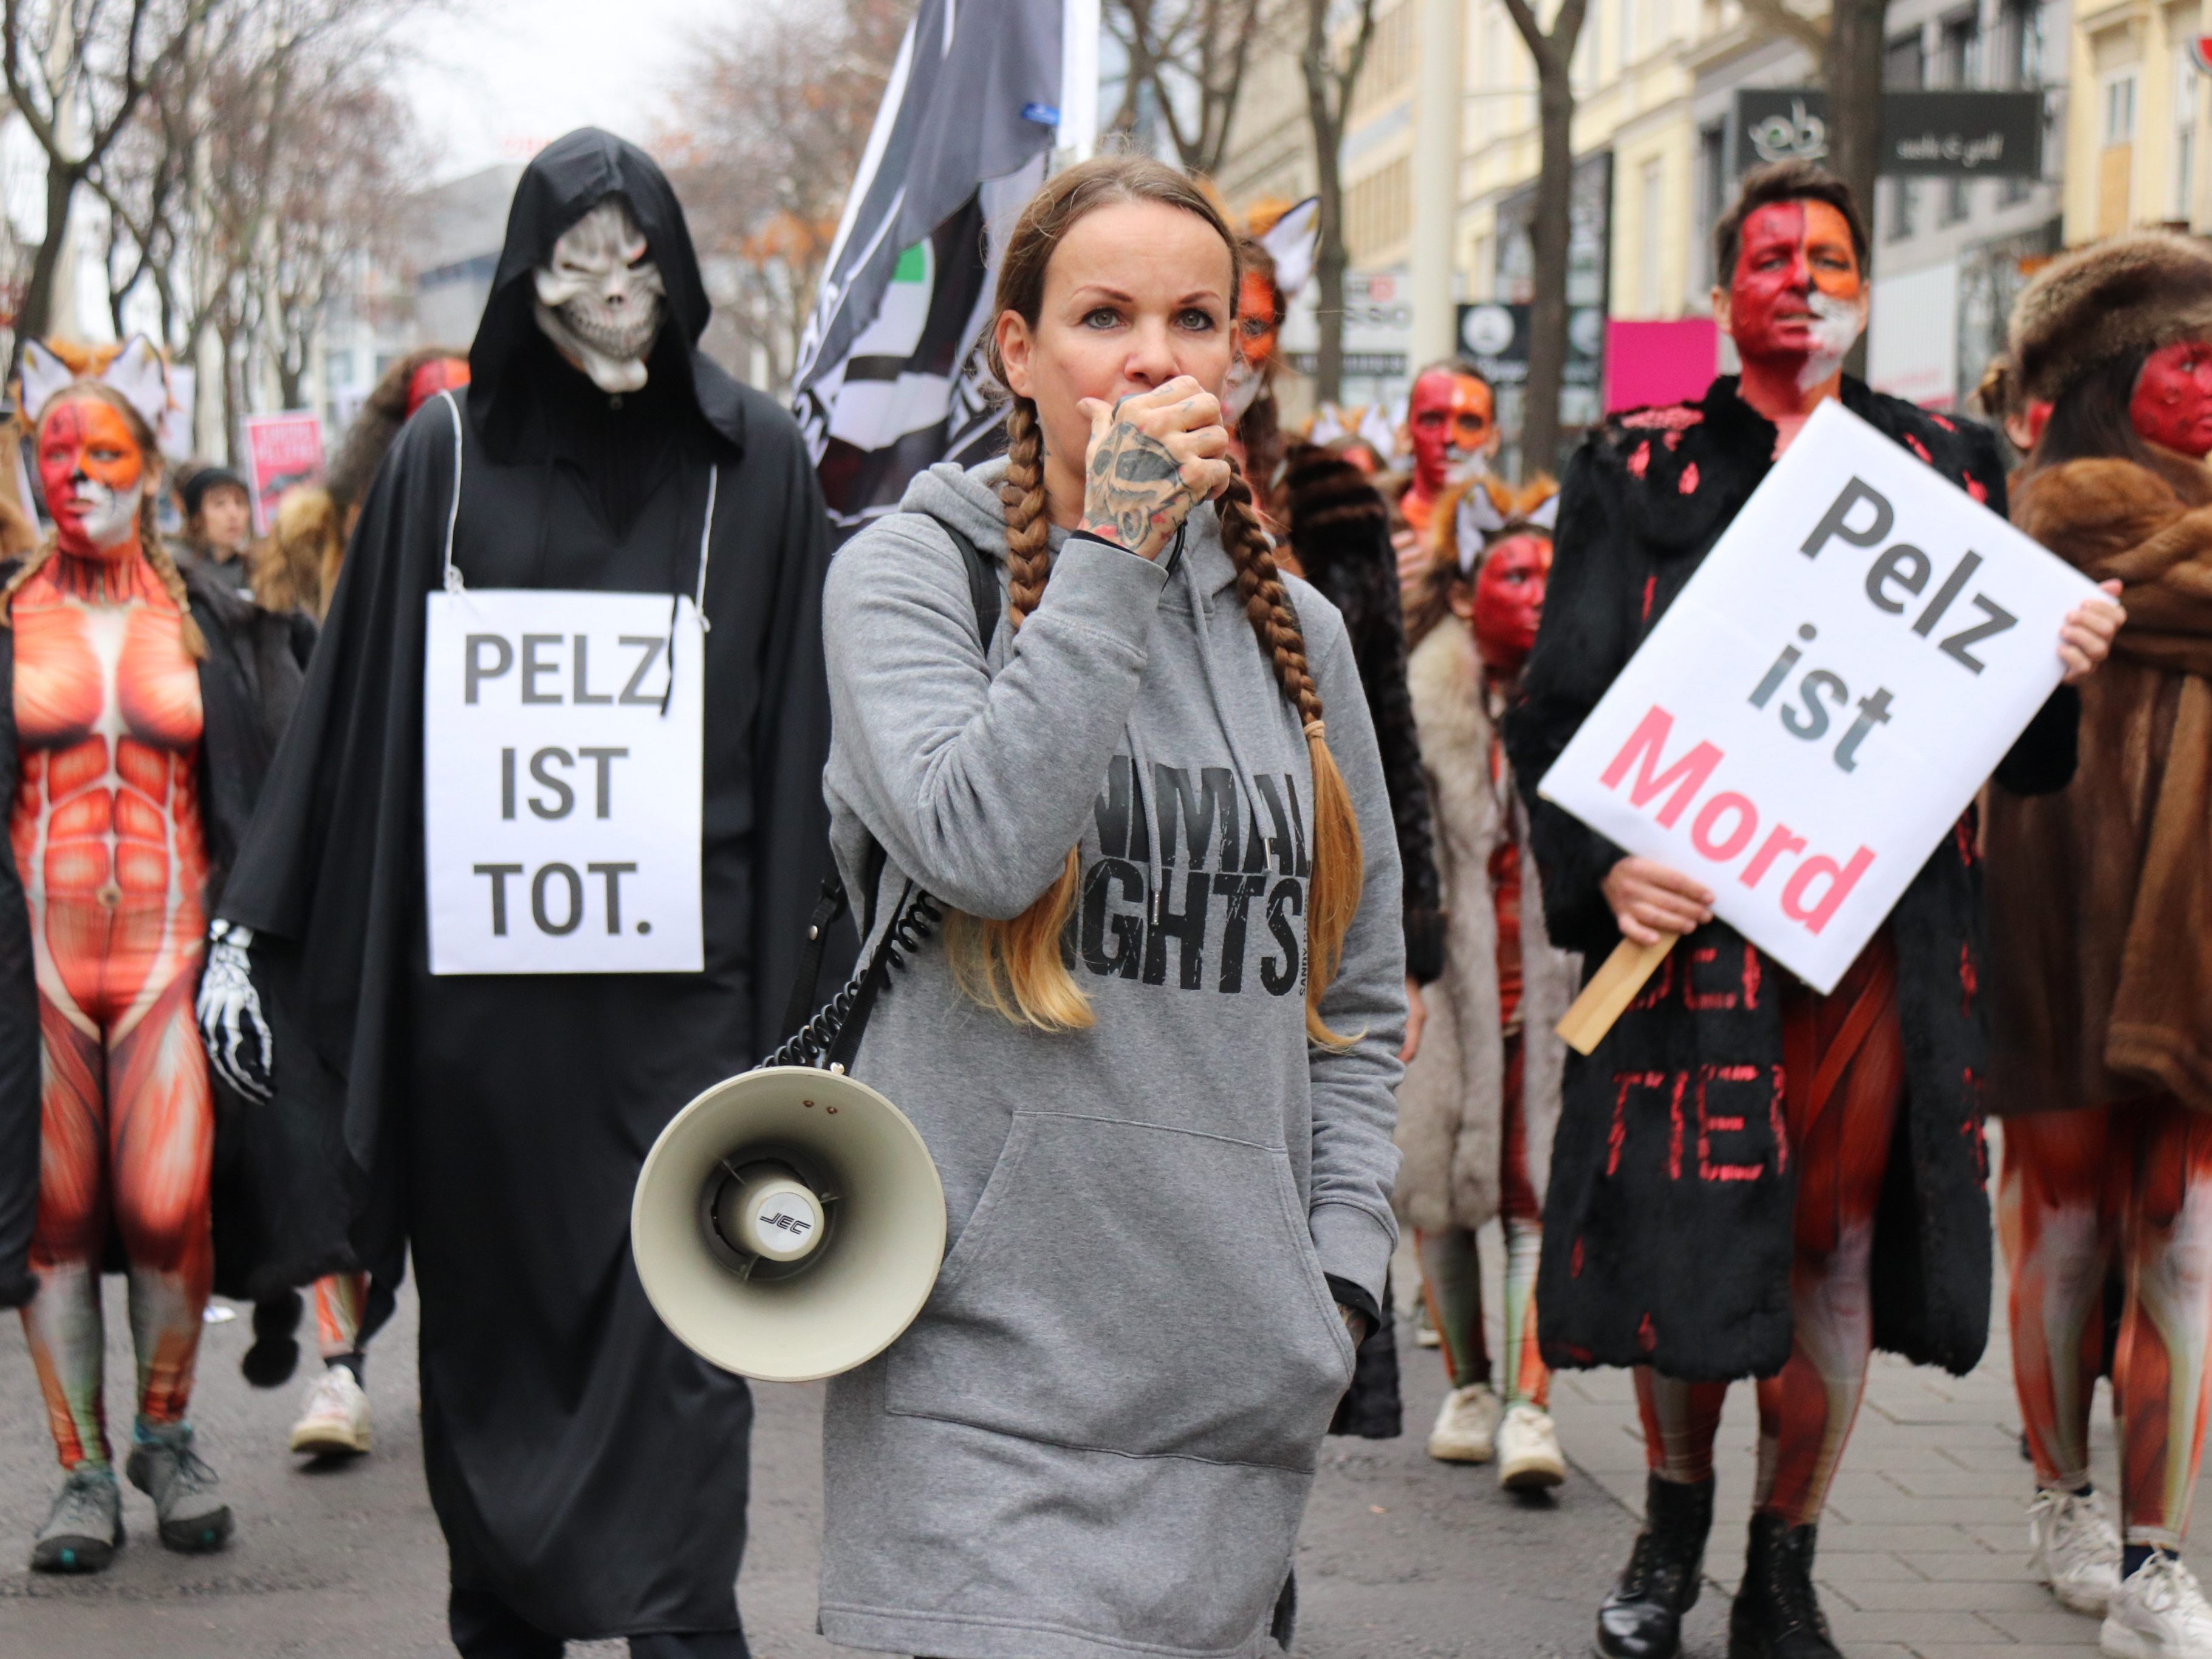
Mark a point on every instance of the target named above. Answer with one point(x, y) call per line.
point(588, 1471)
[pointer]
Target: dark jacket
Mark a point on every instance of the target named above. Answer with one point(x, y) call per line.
point(1644, 1261)
point(1340, 527)
point(250, 680)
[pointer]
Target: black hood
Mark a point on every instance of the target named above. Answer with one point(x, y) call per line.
point(570, 178)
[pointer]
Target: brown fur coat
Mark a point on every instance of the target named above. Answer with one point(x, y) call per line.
point(1449, 1117)
point(2100, 896)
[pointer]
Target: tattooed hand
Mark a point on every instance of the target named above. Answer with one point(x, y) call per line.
point(1152, 458)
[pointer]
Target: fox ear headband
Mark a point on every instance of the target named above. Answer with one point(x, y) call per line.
point(1478, 518)
point(135, 372)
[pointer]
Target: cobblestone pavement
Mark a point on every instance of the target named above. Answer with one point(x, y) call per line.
point(1401, 1557)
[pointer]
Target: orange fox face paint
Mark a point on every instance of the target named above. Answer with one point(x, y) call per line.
point(94, 474)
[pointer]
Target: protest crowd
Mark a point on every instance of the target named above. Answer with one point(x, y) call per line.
point(1263, 860)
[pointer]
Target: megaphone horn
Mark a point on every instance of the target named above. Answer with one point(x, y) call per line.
point(789, 1224)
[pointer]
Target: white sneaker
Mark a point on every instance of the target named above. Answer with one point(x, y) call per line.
point(1528, 1457)
point(2159, 1612)
point(2072, 1547)
point(335, 1421)
point(1424, 1333)
point(1467, 1426)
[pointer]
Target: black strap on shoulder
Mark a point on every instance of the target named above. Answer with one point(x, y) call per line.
point(806, 981)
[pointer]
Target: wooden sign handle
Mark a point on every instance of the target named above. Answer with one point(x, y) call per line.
point(1611, 989)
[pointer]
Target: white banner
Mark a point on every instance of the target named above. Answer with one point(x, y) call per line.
point(1824, 696)
point(561, 783)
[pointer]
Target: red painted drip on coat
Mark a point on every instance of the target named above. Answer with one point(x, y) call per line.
point(1617, 1134)
point(1639, 461)
point(1650, 583)
point(1575, 1259)
point(1977, 490)
point(1751, 976)
point(1703, 1000)
point(1918, 448)
point(1780, 1120)
point(1942, 423)
point(1673, 439)
point(1646, 1337)
point(1689, 483)
point(1969, 980)
point(1710, 1123)
point(1675, 1127)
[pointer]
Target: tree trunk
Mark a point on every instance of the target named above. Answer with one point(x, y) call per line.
point(1331, 259)
point(1550, 234)
point(33, 321)
point(1852, 67)
point(1330, 256)
point(230, 397)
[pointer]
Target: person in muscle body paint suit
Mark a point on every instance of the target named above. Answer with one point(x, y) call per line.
point(2100, 915)
point(1478, 1107)
point(1772, 1265)
point(133, 751)
point(1451, 420)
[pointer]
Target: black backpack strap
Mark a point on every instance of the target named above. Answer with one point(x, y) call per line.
point(806, 981)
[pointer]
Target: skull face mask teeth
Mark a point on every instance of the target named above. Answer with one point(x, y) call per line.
point(600, 298)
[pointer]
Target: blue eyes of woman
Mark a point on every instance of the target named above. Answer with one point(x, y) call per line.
point(1195, 320)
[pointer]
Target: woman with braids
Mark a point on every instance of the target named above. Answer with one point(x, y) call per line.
point(144, 707)
point(1154, 1059)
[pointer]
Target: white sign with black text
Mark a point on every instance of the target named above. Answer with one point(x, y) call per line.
point(561, 744)
point(1825, 695)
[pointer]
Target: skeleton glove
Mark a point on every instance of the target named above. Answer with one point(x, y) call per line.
point(239, 1045)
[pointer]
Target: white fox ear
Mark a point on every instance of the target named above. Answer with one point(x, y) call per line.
point(138, 374)
point(44, 374)
point(1548, 514)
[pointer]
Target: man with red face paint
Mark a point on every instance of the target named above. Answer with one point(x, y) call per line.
point(1479, 1102)
point(139, 738)
point(2100, 936)
point(1451, 421)
point(1750, 1179)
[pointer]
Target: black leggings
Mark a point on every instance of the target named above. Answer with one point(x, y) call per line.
point(485, 1627)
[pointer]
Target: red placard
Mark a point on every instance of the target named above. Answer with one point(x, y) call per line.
point(283, 450)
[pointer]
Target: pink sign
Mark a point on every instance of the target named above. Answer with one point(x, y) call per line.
point(283, 450)
point(1659, 362)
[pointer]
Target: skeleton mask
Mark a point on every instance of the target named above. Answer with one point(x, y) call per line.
point(600, 297)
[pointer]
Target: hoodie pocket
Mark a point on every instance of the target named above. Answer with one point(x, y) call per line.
point(1131, 1289)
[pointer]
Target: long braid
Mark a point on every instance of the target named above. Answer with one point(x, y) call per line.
point(1029, 532)
point(157, 555)
point(33, 562)
point(1333, 896)
point(1016, 965)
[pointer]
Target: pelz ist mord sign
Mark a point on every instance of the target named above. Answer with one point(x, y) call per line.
point(1815, 710)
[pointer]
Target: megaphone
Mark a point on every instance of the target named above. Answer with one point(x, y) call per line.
point(789, 1224)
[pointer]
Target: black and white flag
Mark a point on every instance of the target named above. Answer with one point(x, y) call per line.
point(889, 379)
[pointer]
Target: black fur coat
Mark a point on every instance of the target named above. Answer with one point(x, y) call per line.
point(1645, 1261)
point(1341, 528)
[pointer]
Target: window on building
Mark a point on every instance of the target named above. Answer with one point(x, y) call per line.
point(2185, 138)
point(1713, 193)
point(1378, 211)
point(2019, 43)
point(1962, 50)
point(1903, 65)
point(1904, 206)
point(2120, 109)
point(1654, 210)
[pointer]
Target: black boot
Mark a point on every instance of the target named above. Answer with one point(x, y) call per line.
point(1642, 1617)
point(1776, 1616)
point(269, 1364)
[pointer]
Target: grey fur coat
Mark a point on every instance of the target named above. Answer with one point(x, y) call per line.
point(1450, 1121)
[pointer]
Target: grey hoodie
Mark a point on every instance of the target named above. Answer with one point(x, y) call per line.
point(1098, 1437)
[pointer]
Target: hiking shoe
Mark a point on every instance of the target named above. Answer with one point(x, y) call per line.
point(1467, 1426)
point(335, 1421)
point(1528, 1457)
point(2158, 1613)
point(2073, 1547)
point(84, 1529)
point(189, 1516)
